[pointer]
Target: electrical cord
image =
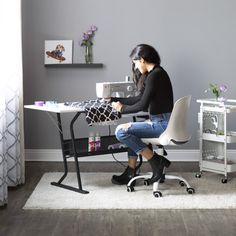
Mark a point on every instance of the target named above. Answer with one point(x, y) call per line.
point(54, 121)
point(109, 130)
point(138, 169)
point(121, 163)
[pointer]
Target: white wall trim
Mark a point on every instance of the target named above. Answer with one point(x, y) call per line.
point(56, 155)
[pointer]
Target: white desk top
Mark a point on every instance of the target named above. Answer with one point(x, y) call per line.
point(58, 108)
point(61, 108)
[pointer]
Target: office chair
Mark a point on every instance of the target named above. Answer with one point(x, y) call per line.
point(176, 133)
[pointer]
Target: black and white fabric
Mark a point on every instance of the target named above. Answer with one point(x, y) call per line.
point(98, 111)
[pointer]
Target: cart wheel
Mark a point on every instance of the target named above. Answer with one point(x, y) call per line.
point(224, 181)
point(157, 194)
point(130, 188)
point(198, 175)
point(181, 183)
point(146, 182)
point(190, 190)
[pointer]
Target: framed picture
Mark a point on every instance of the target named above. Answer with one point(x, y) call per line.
point(58, 52)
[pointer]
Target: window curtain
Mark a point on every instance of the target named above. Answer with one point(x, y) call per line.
point(11, 99)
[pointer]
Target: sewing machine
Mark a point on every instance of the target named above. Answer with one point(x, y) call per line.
point(115, 89)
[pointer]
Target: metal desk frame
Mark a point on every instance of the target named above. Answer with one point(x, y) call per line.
point(59, 109)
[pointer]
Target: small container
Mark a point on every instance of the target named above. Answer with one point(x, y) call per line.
point(91, 142)
point(97, 142)
point(39, 103)
point(127, 78)
point(210, 157)
point(51, 104)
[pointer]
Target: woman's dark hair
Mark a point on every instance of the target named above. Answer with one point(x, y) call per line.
point(150, 55)
point(147, 52)
point(138, 79)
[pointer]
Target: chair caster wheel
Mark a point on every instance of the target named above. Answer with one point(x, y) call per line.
point(157, 194)
point(146, 182)
point(190, 190)
point(181, 183)
point(130, 188)
point(198, 175)
point(224, 181)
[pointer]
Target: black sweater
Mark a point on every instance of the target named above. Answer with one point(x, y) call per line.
point(157, 97)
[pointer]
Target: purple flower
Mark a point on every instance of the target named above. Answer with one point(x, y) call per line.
point(217, 90)
point(94, 28)
point(85, 36)
point(89, 32)
point(223, 88)
point(88, 37)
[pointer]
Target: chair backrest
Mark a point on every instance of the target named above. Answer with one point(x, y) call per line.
point(177, 130)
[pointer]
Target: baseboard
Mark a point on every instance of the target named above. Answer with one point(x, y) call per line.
point(56, 155)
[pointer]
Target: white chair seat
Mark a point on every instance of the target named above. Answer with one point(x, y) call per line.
point(164, 142)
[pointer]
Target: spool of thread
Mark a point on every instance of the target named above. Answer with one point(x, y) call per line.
point(39, 103)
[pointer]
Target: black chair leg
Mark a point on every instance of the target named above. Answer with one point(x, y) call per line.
point(137, 168)
point(163, 178)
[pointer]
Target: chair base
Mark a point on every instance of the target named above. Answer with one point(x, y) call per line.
point(156, 191)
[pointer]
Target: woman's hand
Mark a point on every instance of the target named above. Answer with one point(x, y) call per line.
point(117, 106)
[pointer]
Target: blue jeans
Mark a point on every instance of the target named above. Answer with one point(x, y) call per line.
point(132, 135)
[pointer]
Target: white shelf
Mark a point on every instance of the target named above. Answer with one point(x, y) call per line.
point(217, 167)
point(219, 138)
point(211, 104)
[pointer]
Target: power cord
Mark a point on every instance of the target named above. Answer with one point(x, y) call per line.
point(109, 130)
point(138, 168)
point(119, 162)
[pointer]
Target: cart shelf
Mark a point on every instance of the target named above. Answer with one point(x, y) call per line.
point(219, 138)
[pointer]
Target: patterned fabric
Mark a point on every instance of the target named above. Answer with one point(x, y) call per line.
point(97, 111)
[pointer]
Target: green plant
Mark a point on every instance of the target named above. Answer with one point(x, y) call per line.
point(217, 90)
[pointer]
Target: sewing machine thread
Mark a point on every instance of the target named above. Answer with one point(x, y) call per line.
point(91, 142)
point(97, 142)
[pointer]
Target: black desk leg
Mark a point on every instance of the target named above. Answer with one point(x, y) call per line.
point(59, 184)
point(75, 153)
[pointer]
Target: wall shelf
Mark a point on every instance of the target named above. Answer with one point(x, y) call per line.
point(75, 65)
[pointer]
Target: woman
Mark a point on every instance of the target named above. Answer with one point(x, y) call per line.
point(157, 99)
point(138, 80)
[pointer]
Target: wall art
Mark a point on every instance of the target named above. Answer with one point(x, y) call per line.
point(58, 51)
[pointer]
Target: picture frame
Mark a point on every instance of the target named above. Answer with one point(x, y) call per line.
point(58, 52)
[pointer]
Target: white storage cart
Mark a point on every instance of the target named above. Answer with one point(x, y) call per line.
point(215, 137)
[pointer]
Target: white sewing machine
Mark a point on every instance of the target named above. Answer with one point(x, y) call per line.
point(115, 89)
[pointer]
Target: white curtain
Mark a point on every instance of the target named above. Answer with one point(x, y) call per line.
point(11, 98)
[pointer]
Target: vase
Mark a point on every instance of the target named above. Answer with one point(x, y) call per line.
point(88, 54)
point(221, 99)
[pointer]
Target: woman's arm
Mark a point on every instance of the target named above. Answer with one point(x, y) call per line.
point(127, 101)
point(143, 103)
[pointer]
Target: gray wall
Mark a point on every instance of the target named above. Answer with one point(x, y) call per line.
point(195, 38)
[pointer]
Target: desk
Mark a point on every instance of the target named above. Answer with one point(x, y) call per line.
point(75, 148)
